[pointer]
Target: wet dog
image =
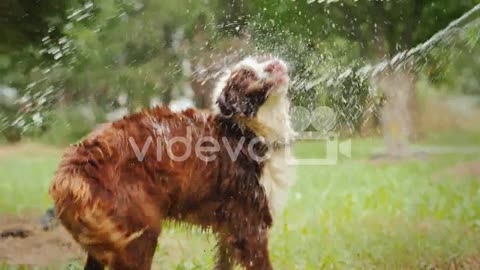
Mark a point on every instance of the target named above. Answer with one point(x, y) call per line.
point(226, 171)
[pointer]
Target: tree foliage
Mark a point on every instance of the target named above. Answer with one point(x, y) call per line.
point(93, 51)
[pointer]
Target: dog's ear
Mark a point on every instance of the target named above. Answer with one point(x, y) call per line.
point(243, 94)
point(228, 102)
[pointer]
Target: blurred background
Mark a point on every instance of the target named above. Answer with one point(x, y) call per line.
point(400, 79)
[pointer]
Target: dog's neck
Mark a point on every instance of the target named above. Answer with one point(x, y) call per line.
point(272, 121)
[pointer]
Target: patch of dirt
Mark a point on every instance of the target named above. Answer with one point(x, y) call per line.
point(23, 242)
point(466, 169)
point(386, 159)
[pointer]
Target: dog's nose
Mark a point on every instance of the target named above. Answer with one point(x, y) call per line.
point(276, 67)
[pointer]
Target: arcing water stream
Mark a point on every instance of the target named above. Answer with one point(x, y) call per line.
point(468, 20)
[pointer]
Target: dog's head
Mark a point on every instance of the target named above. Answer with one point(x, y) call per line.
point(249, 85)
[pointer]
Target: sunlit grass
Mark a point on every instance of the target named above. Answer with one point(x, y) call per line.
point(358, 214)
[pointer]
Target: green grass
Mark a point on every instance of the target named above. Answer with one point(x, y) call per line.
point(25, 174)
point(357, 214)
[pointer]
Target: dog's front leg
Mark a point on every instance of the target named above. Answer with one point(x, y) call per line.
point(252, 252)
point(249, 248)
point(224, 256)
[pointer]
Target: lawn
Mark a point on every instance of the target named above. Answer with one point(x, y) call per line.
point(420, 213)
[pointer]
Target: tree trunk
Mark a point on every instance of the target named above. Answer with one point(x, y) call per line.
point(397, 114)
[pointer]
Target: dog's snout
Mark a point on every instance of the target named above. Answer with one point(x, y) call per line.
point(276, 66)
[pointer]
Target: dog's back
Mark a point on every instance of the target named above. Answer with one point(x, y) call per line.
point(105, 195)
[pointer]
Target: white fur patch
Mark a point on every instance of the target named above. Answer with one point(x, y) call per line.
point(277, 175)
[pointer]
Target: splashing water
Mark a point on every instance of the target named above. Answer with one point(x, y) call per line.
point(33, 103)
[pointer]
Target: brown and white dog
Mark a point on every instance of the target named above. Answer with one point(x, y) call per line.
point(226, 171)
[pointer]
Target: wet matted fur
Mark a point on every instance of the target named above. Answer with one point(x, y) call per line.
point(113, 200)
